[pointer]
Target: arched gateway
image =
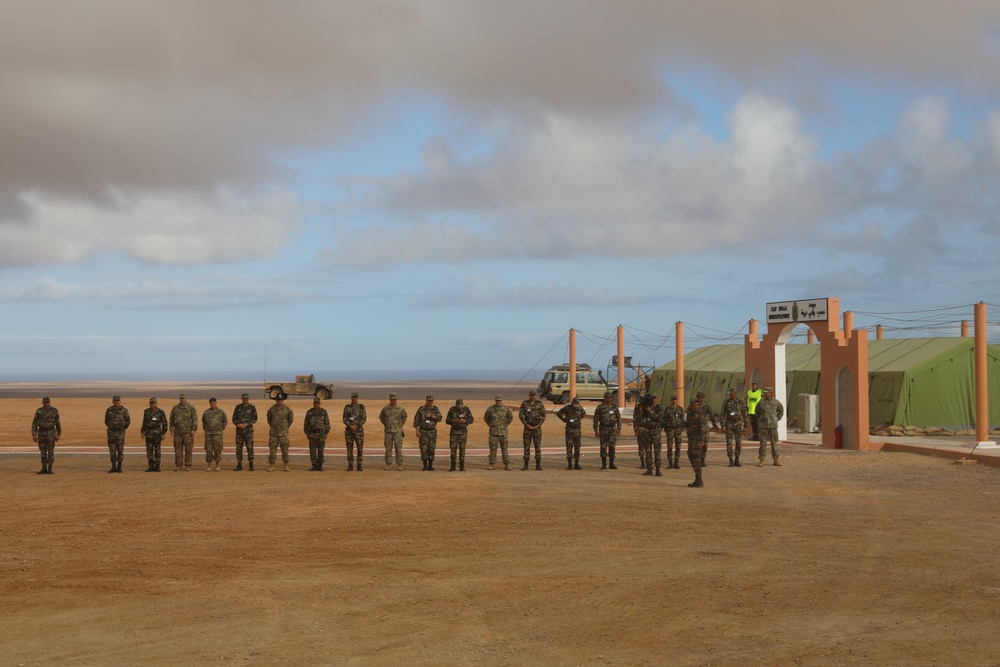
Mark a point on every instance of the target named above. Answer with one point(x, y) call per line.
point(843, 365)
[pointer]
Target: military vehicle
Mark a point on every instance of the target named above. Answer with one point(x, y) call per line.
point(304, 385)
point(589, 385)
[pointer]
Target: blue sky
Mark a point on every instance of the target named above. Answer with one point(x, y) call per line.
point(453, 184)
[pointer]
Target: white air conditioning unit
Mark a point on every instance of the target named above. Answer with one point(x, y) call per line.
point(808, 413)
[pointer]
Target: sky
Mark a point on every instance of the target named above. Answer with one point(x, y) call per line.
point(241, 186)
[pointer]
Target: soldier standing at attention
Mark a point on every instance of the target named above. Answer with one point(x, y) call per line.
point(214, 422)
point(754, 394)
point(316, 426)
point(393, 418)
point(572, 415)
point(498, 417)
point(183, 424)
point(639, 426)
point(425, 421)
point(117, 421)
point(532, 415)
point(46, 430)
point(607, 428)
point(707, 418)
point(654, 425)
point(354, 430)
point(154, 427)
point(279, 419)
point(734, 419)
point(695, 419)
point(770, 411)
point(673, 426)
point(459, 417)
point(244, 417)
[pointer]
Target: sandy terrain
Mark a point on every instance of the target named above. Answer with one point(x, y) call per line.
point(837, 558)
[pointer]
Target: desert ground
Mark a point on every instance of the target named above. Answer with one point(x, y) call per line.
point(836, 558)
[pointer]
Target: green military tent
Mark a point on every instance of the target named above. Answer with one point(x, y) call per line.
point(913, 381)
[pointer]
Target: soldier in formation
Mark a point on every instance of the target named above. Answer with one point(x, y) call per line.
point(354, 430)
point(498, 417)
point(213, 422)
point(279, 420)
point(183, 424)
point(639, 427)
point(707, 418)
point(696, 421)
point(607, 428)
point(46, 431)
point(459, 418)
point(770, 411)
point(425, 421)
point(154, 427)
point(673, 426)
point(244, 417)
point(734, 419)
point(572, 415)
point(532, 414)
point(393, 418)
point(316, 426)
point(653, 424)
point(117, 421)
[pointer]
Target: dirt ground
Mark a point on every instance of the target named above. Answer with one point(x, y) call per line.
point(836, 558)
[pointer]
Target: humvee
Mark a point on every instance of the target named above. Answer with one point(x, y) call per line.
point(304, 385)
point(589, 385)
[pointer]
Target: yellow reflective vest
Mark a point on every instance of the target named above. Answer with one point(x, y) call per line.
point(753, 398)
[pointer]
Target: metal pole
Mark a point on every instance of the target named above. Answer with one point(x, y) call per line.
point(572, 363)
point(982, 402)
point(621, 366)
point(679, 381)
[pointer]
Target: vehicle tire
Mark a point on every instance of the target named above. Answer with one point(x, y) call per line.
point(322, 394)
point(274, 392)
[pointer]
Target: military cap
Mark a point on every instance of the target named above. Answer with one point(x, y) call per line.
point(354, 394)
point(153, 399)
point(429, 397)
point(212, 400)
point(183, 396)
point(767, 389)
point(576, 399)
point(316, 400)
point(754, 382)
point(281, 396)
point(700, 394)
point(245, 395)
point(532, 393)
point(45, 399)
point(116, 397)
point(393, 395)
point(608, 394)
point(459, 401)
point(673, 398)
point(498, 397)
point(732, 390)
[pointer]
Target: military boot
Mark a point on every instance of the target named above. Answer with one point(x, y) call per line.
point(697, 481)
point(525, 466)
point(114, 466)
point(776, 462)
point(424, 461)
point(270, 467)
point(658, 473)
point(506, 466)
point(569, 464)
point(239, 465)
point(649, 472)
point(604, 463)
point(461, 465)
point(285, 467)
point(611, 464)
point(152, 466)
point(350, 466)
point(156, 468)
point(313, 467)
point(731, 461)
point(576, 465)
point(319, 467)
point(250, 465)
point(538, 464)
point(359, 465)
point(736, 462)
point(430, 464)
point(43, 471)
point(452, 468)
point(642, 460)
point(760, 463)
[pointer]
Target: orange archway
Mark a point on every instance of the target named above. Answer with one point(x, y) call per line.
point(843, 372)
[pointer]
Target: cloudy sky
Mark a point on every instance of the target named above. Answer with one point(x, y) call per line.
point(449, 184)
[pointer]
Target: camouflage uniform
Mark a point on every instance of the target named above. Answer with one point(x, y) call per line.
point(279, 420)
point(639, 426)
point(734, 419)
point(572, 415)
point(316, 426)
point(117, 420)
point(459, 417)
point(697, 421)
point(532, 415)
point(607, 426)
point(708, 418)
point(244, 417)
point(213, 422)
point(426, 421)
point(653, 423)
point(393, 417)
point(45, 430)
point(673, 426)
point(154, 427)
point(354, 418)
point(183, 424)
point(770, 411)
point(498, 418)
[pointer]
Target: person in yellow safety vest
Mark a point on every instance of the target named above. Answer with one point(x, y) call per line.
point(754, 394)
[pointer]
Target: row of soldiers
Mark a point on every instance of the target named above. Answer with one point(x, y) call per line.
point(183, 422)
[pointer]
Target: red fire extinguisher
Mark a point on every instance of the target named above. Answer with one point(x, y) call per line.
point(838, 438)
